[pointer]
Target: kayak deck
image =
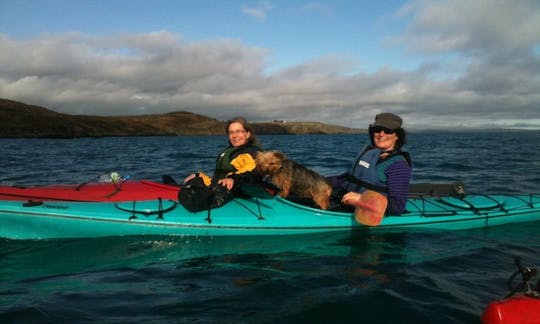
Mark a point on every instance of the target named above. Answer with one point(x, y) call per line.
point(95, 191)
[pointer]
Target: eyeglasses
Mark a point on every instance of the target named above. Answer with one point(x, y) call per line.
point(236, 132)
point(378, 129)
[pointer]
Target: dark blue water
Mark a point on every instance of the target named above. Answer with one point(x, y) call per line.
point(446, 277)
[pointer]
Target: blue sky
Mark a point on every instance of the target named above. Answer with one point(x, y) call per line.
point(338, 62)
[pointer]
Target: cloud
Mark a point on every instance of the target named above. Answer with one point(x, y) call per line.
point(471, 27)
point(260, 11)
point(84, 74)
point(319, 7)
point(468, 76)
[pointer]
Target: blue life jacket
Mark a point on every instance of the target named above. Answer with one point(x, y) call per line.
point(368, 171)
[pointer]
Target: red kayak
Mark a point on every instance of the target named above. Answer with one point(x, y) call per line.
point(125, 190)
point(523, 308)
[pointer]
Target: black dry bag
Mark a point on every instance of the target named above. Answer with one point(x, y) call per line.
point(196, 196)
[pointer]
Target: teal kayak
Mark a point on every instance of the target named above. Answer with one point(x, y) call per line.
point(249, 216)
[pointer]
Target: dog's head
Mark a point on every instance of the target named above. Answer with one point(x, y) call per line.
point(269, 162)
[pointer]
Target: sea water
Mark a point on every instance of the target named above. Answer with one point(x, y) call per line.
point(406, 277)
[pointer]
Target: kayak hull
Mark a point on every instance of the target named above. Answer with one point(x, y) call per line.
point(252, 216)
point(519, 309)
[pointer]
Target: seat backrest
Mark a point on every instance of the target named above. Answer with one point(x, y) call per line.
point(437, 189)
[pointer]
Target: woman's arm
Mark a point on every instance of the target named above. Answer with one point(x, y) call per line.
point(398, 177)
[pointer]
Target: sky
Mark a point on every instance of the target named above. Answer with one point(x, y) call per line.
point(438, 64)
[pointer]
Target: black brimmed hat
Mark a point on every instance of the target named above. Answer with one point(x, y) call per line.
point(388, 120)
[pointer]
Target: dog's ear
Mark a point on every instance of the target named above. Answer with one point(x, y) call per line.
point(260, 154)
point(279, 155)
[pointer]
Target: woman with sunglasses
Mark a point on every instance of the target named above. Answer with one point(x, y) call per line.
point(382, 167)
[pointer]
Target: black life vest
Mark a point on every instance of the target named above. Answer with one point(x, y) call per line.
point(223, 162)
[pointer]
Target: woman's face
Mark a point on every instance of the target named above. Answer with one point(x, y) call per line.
point(385, 140)
point(238, 136)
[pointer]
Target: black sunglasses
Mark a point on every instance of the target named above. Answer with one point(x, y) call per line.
point(378, 129)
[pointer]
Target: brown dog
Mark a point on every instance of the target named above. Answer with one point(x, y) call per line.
point(293, 178)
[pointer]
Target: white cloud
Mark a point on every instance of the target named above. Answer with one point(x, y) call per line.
point(470, 75)
point(259, 11)
point(471, 27)
point(319, 7)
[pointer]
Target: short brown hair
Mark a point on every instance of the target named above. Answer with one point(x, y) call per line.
point(247, 127)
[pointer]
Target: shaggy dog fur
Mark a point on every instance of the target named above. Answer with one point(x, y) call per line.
point(293, 178)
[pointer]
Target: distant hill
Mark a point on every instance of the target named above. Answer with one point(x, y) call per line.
point(19, 120)
point(289, 127)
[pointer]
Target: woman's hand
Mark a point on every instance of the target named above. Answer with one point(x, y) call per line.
point(189, 177)
point(227, 183)
point(350, 197)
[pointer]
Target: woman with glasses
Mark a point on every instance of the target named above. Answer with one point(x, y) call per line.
point(237, 161)
point(382, 167)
